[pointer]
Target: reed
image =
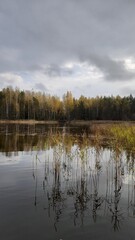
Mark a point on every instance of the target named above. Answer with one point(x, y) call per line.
point(116, 135)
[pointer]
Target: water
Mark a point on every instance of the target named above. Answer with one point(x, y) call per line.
point(57, 183)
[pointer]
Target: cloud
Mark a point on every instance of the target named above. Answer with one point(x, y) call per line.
point(127, 90)
point(10, 79)
point(40, 87)
point(113, 70)
point(42, 36)
point(58, 71)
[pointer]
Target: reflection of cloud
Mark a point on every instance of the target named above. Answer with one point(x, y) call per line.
point(128, 179)
point(4, 160)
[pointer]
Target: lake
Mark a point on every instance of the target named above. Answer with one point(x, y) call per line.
point(58, 183)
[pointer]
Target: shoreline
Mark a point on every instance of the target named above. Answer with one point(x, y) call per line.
point(72, 122)
point(32, 122)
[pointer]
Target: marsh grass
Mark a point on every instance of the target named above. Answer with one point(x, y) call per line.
point(115, 135)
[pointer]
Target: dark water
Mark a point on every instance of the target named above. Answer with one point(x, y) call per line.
point(58, 183)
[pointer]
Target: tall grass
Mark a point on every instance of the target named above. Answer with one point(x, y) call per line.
point(116, 135)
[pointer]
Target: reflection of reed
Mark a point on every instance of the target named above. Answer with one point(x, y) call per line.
point(97, 200)
point(55, 195)
point(35, 177)
point(75, 177)
point(131, 186)
point(113, 200)
point(82, 196)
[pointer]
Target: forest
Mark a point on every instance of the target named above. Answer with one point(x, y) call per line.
point(26, 105)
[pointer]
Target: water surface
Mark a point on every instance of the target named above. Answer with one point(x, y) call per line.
point(56, 182)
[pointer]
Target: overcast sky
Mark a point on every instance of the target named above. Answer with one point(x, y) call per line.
point(85, 46)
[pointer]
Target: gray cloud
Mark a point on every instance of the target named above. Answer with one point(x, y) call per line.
point(128, 90)
point(113, 70)
point(57, 71)
point(40, 87)
point(41, 35)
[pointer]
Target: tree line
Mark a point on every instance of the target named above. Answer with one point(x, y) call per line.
point(24, 105)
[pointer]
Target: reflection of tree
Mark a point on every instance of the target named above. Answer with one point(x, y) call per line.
point(27, 137)
point(24, 137)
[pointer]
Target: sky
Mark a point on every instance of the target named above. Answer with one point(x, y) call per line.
point(83, 46)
